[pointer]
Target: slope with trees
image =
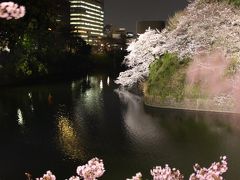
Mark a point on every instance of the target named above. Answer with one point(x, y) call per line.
point(195, 34)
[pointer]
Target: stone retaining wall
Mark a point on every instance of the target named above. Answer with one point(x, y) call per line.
point(190, 104)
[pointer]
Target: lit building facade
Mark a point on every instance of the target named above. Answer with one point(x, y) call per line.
point(86, 20)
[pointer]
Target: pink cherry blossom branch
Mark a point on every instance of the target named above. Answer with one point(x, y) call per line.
point(11, 10)
point(94, 169)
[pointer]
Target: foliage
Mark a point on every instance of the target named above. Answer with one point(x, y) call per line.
point(138, 176)
point(10, 10)
point(214, 172)
point(232, 67)
point(27, 53)
point(167, 173)
point(167, 77)
point(48, 176)
point(29, 39)
point(194, 91)
point(38, 43)
point(217, 77)
point(173, 21)
point(28, 66)
point(95, 169)
point(201, 27)
point(92, 170)
point(139, 58)
point(234, 2)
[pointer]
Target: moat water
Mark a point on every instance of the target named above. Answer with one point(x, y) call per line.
point(59, 126)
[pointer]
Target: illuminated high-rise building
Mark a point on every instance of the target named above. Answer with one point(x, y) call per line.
point(86, 20)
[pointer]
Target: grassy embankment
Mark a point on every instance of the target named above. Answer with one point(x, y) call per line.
point(166, 79)
point(167, 75)
point(168, 86)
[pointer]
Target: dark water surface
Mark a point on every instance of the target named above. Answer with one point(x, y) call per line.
point(60, 126)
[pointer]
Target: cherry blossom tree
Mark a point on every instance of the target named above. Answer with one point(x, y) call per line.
point(202, 26)
point(139, 58)
point(214, 172)
point(95, 169)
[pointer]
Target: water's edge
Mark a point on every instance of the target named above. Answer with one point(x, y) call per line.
point(201, 105)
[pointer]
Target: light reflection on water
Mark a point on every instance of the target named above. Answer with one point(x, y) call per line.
point(75, 121)
point(141, 127)
point(69, 141)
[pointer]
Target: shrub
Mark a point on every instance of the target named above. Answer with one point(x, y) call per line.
point(167, 77)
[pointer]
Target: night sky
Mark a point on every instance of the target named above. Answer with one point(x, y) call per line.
point(125, 13)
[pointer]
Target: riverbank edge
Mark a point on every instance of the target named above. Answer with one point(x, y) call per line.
point(173, 106)
point(200, 105)
point(55, 78)
point(41, 79)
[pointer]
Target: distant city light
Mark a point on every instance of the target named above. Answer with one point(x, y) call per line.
point(108, 81)
point(73, 85)
point(101, 84)
point(30, 95)
point(32, 108)
point(87, 20)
